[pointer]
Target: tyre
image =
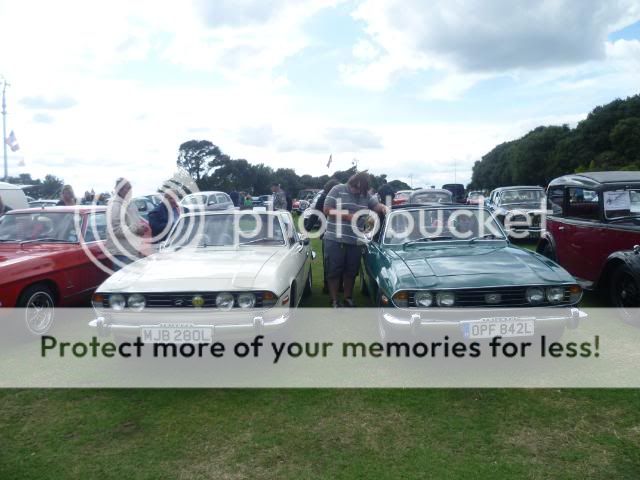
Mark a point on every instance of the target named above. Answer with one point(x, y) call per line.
point(39, 304)
point(548, 251)
point(624, 293)
point(308, 286)
point(364, 288)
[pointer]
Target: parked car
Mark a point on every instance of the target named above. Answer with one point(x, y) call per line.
point(475, 198)
point(264, 201)
point(13, 196)
point(144, 205)
point(430, 195)
point(43, 262)
point(521, 207)
point(593, 230)
point(415, 278)
point(211, 201)
point(226, 273)
point(43, 203)
point(457, 190)
point(402, 197)
point(300, 205)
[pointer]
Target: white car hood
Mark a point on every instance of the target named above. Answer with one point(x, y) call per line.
point(196, 269)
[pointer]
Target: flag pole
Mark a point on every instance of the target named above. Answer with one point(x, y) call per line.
point(4, 128)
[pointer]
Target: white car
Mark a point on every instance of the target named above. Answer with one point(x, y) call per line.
point(219, 274)
point(207, 201)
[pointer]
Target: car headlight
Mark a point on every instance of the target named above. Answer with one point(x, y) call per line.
point(423, 299)
point(445, 299)
point(555, 294)
point(97, 301)
point(269, 299)
point(117, 301)
point(535, 295)
point(224, 301)
point(575, 293)
point(246, 300)
point(401, 299)
point(136, 302)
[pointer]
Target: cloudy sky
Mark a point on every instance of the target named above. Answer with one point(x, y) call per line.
point(414, 89)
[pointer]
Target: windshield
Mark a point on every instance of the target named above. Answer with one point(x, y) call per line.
point(622, 203)
point(430, 197)
point(40, 226)
point(227, 230)
point(511, 197)
point(404, 227)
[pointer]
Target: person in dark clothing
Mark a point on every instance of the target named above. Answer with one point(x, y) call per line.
point(161, 219)
point(312, 220)
point(235, 198)
point(386, 193)
point(289, 201)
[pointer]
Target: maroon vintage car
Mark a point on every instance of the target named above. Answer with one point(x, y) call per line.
point(44, 261)
point(593, 231)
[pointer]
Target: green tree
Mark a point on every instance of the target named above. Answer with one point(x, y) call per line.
point(195, 157)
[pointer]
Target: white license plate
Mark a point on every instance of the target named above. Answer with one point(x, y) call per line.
point(176, 335)
point(498, 327)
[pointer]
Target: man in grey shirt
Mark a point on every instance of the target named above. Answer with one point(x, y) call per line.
point(279, 197)
point(342, 241)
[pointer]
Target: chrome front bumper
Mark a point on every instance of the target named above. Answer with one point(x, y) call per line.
point(239, 328)
point(421, 322)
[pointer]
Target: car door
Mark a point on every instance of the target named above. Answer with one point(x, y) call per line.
point(555, 223)
point(224, 201)
point(582, 233)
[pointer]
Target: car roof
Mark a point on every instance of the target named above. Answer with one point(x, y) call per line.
point(432, 190)
point(519, 187)
point(62, 209)
point(595, 179)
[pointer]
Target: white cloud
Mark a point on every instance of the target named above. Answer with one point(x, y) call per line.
point(472, 40)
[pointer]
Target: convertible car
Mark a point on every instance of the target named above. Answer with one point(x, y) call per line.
point(44, 261)
point(442, 269)
point(223, 274)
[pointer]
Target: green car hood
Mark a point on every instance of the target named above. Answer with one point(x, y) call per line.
point(460, 266)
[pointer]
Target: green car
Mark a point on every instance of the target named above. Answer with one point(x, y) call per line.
point(451, 270)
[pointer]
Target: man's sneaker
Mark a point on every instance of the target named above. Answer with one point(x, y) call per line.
point(348, 303)
point(336, 305)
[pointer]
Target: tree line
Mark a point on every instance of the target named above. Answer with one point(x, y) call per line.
point(608, 139)
point(214, 170)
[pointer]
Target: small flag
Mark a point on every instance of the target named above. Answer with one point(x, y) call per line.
point(328, 163)
point(12, 141)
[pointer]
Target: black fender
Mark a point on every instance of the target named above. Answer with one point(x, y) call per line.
point(623, 257)
point(546, 237)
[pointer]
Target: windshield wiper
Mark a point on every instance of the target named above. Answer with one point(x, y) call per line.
point(426, 239)
point(483, 237)
point(45, 239)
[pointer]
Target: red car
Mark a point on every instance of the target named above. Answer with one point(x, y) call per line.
point(593, 231)
point(43, 262)
point(402, 197)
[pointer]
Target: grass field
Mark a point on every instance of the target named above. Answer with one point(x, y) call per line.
point(319, 433)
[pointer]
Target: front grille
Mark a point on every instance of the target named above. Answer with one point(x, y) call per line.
point(184, 299)
point(509, 297)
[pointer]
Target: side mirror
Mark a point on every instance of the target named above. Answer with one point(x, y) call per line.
point(305, 240)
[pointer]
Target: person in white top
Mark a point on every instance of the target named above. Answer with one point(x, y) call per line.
point(126, 228)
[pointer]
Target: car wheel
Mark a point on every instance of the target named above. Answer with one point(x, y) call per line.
point(548, 251)
point(624, 292)
point(308, 286)
point(364, 288)
point(39, 304)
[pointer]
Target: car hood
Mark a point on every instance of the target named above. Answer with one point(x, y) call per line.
point(14, 254)
point(476, 266)
point(528, 206)
point(195, 269)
